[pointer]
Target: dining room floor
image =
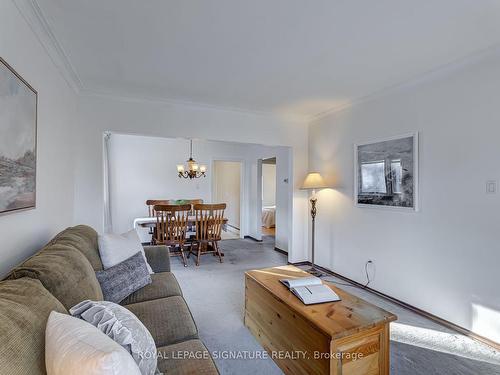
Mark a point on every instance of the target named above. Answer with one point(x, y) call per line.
point(215, 294)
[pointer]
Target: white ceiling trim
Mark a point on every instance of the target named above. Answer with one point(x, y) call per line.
point(33, 15)
point(420, 78)
point(430, 75)
point(194, 105)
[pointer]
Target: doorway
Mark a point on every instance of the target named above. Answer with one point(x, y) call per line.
point(269, 198)
point(227, 188)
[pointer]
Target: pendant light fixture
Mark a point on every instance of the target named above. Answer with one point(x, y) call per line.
point(191, 169)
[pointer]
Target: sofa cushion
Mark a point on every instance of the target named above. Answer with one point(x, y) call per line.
point(25, 306)
point(84, 239)
point(187, 357)
point(64, 272)
point(121, 325)
point(164, 284)
point(158, 257)
point(74, 346)
point(115, 248)
point(123, 279)
point(168, 319)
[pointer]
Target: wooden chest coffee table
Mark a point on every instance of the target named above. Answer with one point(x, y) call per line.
point(350, 336)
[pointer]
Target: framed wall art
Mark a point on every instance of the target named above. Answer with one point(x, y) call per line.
point(386, 173)
point(18, 122)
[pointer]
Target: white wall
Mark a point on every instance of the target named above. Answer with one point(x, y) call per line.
point(144, 168)
point(226, 188)
point(268, 184)
point(443, 259)
point(99, 114)
point(25, 232)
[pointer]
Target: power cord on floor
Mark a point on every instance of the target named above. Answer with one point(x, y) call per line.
point(368, 280)
point(367, 275)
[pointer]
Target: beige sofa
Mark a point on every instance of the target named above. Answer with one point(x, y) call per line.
point(63, 274)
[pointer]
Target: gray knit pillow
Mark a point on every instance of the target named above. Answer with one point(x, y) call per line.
point(123, 327)
point(123, 279)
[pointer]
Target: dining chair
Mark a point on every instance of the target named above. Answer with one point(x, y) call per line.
point(171, 227)
point(209, 221)
point(190, 238)
point(192, 202)
point(150, 203)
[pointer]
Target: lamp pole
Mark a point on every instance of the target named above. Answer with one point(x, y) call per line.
point(313, 181)
point(313, 200)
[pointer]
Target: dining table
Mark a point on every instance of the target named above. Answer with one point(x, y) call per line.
point(150, 222)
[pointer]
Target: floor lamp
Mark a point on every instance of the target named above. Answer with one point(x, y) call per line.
point(314, 181)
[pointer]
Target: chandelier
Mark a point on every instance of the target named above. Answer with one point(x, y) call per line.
point(191, 169)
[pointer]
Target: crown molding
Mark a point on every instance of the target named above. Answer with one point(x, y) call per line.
point(428, 76)
point(31, 12)
point(138, 98)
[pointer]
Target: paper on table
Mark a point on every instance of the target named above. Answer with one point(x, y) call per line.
point(315, 294)
point(311, 290)
point(303, 281)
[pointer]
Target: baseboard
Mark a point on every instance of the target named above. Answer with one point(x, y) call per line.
point(437, 319)
point(303, 263)
point(252, 238)
point(280, 250)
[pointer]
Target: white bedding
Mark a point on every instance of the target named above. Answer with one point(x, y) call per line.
point(269, 216)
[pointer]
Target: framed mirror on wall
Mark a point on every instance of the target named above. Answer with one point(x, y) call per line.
point(386, 173)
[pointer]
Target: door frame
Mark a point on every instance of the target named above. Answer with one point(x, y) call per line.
point(260, 182)
point(260, 192)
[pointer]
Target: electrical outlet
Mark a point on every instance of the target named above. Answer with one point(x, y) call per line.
point(491, 187)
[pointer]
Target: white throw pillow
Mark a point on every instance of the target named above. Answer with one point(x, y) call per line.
point(75, 347)
point(121, 325)
point(115, 248)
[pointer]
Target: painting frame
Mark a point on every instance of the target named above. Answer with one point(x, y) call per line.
point(416, 172)
point(33, 203)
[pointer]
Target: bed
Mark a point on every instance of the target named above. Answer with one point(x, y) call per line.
point(269, 216)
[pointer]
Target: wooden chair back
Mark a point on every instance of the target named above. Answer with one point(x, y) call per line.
point(192, 202)
point(209, 221)
point(184, 201)
point(152, 202)
point(171, 223)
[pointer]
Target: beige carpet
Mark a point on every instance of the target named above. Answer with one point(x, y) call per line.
point(215, 294)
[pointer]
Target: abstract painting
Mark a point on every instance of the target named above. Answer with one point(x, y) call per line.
point(18, 115)
point(387, 173)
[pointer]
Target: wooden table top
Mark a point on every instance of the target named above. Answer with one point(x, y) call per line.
point(336, 319)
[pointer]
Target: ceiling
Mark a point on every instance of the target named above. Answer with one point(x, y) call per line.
point(293, 57)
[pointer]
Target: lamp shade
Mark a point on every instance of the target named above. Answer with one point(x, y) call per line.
point(314, 181)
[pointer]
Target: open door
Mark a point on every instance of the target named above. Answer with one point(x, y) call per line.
point(269, 183)
point(265, 200)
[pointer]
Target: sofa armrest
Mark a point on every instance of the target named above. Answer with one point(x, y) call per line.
point(158, 258)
